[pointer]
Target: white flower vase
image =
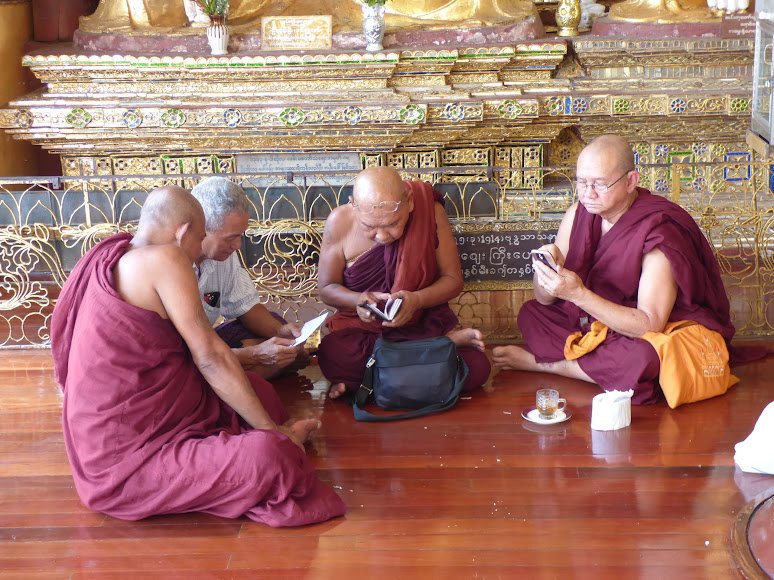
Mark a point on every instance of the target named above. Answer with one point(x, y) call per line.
point(373, 26)
point(218, 35)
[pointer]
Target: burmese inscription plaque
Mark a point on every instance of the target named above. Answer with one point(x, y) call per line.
point(314, 164)
point(496, 255)
point(296, 32)
point(736, 25)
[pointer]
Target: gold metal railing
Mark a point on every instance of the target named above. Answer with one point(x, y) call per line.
point(47, 224)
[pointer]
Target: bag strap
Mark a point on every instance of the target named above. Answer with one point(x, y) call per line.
point(367, 388)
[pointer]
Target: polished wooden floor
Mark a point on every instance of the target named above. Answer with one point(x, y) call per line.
point(472, 493)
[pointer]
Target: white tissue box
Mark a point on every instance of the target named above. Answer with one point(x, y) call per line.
point(611, 410)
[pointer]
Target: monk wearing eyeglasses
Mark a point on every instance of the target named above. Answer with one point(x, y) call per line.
point(627, 263)
point(393, 240)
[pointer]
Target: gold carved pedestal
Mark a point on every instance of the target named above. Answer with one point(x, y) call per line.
point(515, 116)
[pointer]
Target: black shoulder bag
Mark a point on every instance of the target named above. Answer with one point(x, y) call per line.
point(425, 375)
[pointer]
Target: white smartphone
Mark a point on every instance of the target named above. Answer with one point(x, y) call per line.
point(545, 257)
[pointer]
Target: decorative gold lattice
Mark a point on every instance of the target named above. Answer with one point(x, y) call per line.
point(47, 225)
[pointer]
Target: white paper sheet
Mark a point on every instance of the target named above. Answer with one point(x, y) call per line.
point(309, 327)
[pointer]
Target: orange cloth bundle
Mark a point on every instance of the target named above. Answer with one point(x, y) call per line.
point(579, 344)
point(694, 362)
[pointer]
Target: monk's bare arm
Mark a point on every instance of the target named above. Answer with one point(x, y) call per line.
point(449, 283)
point(330, 270)
point(174, 280)
point(260, 321)
point(655, 299)
point(559, 250)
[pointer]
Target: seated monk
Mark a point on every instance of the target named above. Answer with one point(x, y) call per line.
point(393, 240)
point(159, 417)
point(628, 259)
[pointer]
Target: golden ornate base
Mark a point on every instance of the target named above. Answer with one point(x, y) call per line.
point(433, 103)
point(498, 123)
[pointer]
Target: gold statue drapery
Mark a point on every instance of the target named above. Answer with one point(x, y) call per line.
point(149, 15)
point(662, 11)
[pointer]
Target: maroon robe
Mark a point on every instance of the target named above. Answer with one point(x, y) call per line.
point(610, 266)
point(408, 264)
point(144, 432)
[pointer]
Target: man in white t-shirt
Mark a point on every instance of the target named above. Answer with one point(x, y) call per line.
point(261, 340)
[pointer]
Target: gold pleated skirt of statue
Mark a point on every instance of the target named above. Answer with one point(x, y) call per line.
point(244, 15)
point(662, 11)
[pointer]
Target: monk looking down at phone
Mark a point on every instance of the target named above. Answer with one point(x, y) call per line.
point(627, 260)
point(392, 241)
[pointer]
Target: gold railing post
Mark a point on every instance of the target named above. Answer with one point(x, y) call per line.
point(675, 183)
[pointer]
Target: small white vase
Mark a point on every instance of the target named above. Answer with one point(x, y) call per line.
point(218, 35)
point(373, 26)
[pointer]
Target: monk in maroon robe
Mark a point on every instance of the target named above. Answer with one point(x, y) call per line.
point(392, 241)
point(628, 259)
point(159, 417)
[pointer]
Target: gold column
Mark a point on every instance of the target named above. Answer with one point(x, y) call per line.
point(16, 157)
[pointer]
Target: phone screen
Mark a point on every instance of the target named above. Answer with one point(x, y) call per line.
point(543, 258)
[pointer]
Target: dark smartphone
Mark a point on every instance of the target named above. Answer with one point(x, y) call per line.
point(545, 257)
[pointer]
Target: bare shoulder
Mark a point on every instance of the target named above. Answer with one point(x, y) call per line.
point(567, 220)
point(442, 224)
point(565, 230)
point(570, 214)
point(142, 272)
point(338, 224)
point(150, 258)
point(440, 213)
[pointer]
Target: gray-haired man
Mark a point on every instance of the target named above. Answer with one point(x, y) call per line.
point(261, 341)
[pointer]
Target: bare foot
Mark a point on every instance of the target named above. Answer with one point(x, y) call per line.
point(336, 391)
point(513, 358)
point(467, 337)
point(299, 430)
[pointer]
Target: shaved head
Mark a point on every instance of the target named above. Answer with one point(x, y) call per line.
point(377, 184)
point(171, 216)
point(613, 148)
point(169, 207)
point(375, 187)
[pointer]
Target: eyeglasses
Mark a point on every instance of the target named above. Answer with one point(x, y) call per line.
point(385, 206)
point(582, 186)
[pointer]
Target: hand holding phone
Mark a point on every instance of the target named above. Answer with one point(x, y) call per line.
point(545, 257)
point(390, 309)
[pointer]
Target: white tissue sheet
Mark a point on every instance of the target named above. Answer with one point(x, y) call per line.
point(611, 410)
point(755, 454)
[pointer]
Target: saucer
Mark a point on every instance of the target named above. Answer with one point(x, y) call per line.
point(532, 414)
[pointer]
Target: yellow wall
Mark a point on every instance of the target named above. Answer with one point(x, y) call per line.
point(17, 158)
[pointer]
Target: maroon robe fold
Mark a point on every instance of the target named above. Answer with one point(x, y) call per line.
point(610, 266)
point(144, 432)
point(408, 264)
